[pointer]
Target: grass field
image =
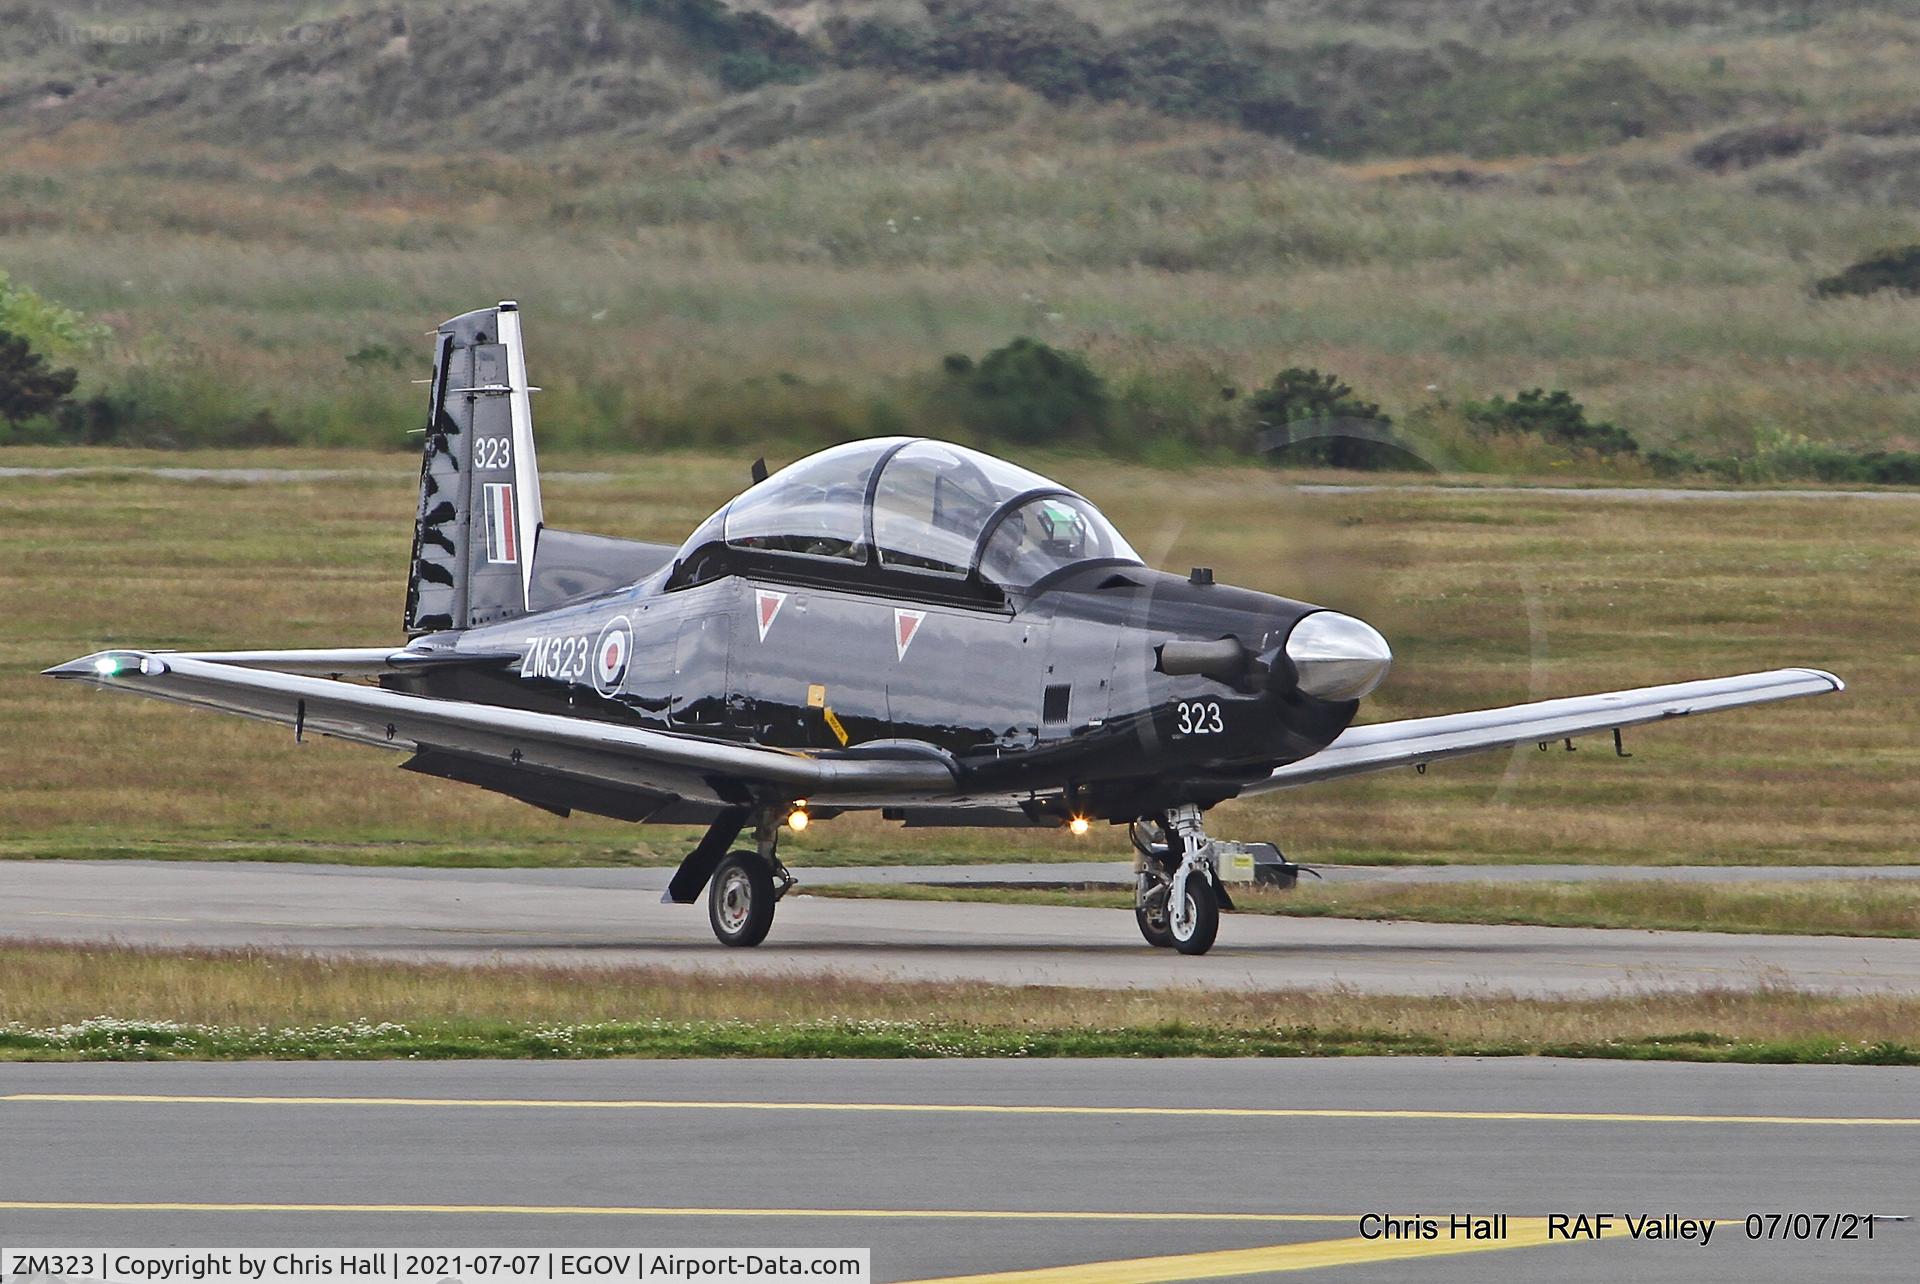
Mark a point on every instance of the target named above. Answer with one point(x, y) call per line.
point(1851, 907)
point(71, 1003)
point(1487, 598)
point(687, 305)
point(268, 232)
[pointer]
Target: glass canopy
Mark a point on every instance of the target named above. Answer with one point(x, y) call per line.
point(917, 505)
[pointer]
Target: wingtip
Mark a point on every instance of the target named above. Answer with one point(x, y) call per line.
point(78, 668)
point(1826, 676)
point(102, 665)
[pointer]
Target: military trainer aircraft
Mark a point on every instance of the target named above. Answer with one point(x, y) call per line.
point(900, 625)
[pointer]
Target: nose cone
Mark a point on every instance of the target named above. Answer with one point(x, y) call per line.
point(1337, 657)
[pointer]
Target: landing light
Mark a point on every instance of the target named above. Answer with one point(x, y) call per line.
point(1078, 826)
point(106, 666)
point(797, 819)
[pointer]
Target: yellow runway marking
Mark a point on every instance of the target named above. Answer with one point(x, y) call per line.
point(1522, 1232)
point(614, 1210)
point(935, 1108)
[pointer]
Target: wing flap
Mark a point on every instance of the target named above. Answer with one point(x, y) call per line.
point(636, 758)
point(1417, 741)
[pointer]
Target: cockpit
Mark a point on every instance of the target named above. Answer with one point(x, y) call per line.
point(925, 510)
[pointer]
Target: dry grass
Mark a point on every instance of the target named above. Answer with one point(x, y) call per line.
point(1851, 907)
point(248, 1003)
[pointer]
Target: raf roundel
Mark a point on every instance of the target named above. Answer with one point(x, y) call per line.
point(610, 654)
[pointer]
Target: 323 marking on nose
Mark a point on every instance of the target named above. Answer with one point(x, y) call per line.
point(1199, 718)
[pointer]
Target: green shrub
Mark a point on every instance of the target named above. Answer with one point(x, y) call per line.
point(1306, 417)
point(1028, 392)
point(1038, 43)
point(1555, 416)
point(1752, 145)
point(740, 72)
point(29, 387)
point(753, 49)
point(1895, 269)
point(44, 324)
point(1779, 456)
point(190, 402)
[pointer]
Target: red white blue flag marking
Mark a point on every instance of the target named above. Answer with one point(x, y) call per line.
point(503, 538)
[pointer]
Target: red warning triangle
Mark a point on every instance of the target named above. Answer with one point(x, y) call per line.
point(769, 604)
point(905, 625)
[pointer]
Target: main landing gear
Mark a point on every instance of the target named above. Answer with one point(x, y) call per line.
point(742, 886)
point(1177, 893)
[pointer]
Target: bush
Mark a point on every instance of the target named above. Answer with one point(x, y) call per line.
point(1754, 145)
point(1895, 269)
point(1028, 392)
point(96, 421)
point(1306, 417)
point(44, 324)
point(29, 387)
point(1553, 415)
point(1039, 44)
point(753, 48)
point(1782, 456)
point(740, 72)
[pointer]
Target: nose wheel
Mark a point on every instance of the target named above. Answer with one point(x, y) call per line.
point(1176, 901)
point(1192, 930)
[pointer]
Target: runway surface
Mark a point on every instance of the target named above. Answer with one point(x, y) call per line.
point(954, 1168)
point(480, 916)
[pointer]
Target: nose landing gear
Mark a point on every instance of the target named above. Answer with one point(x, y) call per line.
point(1177, 892)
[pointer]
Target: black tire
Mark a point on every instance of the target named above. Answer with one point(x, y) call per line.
point(1203, 921)
point(1154, 927)
point(740, 899)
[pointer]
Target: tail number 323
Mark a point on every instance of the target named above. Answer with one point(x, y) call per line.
point(1198, 718)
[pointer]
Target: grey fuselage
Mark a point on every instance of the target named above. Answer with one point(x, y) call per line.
point(1056, 693)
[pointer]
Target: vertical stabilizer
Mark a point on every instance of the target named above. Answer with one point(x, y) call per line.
point(479, 516)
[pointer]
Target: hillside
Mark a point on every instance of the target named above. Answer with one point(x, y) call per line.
point(772, 221)
point(1399, 77)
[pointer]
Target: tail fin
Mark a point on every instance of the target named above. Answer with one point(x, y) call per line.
point(479, 516)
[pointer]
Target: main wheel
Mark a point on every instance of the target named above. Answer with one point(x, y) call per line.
point(1203, 917)
point(1153, 925)
point(740, 899)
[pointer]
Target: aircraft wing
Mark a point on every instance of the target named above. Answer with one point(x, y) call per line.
point(1418, 741)
point(510, 744)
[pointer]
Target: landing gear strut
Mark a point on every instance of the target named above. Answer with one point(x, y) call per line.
point(1176, 894)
